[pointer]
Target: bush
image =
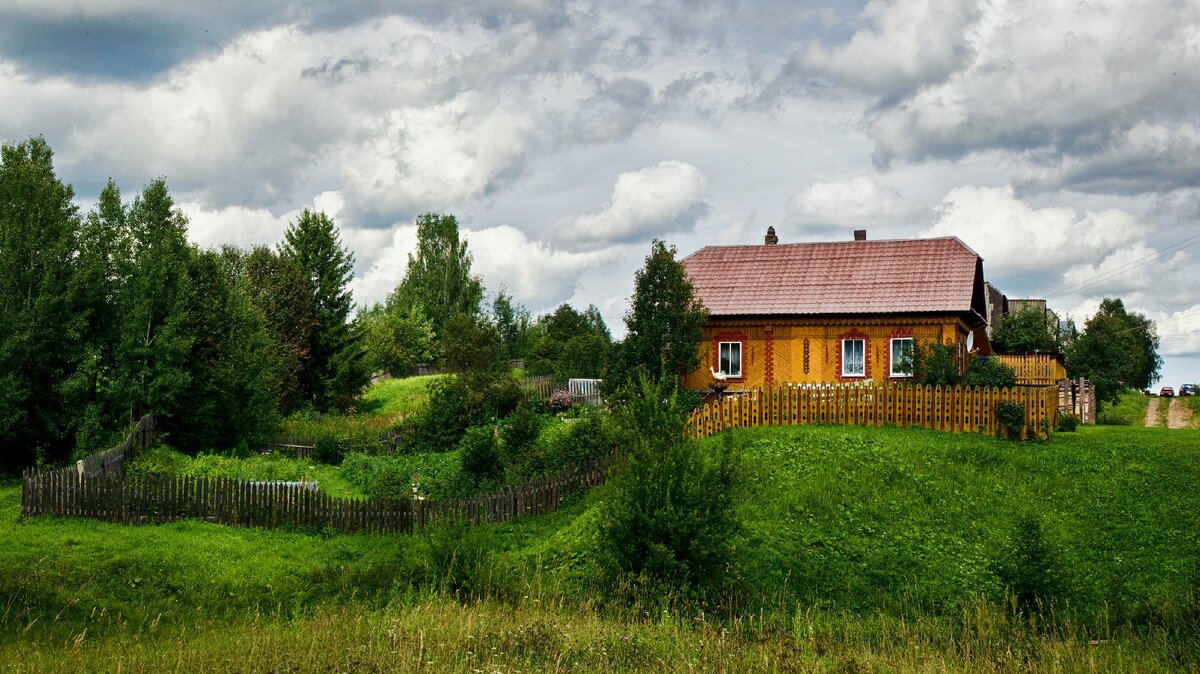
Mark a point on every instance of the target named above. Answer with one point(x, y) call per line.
point(439, 475)
point(480, 455)
point(1067, 423)
point(1030, 566)
point(670, 520)
point(1012, 418)
point(560, 400)
point(520, 433)
point(990, 373)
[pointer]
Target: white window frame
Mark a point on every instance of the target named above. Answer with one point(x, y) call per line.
point(720, 363)
point(863, 361)
point(892, 371)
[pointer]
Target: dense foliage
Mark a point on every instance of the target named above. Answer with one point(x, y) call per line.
point(670, 519)
point(1027, 331)
point(438, 280)
point(112, 315)
point(570, 344)
point(663, 324)
point(1117, 350)
point(335, 370)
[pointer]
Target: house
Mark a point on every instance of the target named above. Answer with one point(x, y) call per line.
point(847, 311)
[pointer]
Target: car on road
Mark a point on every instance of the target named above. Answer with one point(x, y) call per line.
point(1187, 389)
point(1166, 392)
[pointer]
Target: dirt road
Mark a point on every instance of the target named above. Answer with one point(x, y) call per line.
point(1178, 414)
point(1152, 412)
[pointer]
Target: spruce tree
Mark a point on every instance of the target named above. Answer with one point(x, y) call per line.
point(335, 370)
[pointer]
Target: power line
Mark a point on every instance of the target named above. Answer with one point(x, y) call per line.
point(1127, 267)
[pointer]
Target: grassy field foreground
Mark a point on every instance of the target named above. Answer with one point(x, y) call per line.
point(863, 550)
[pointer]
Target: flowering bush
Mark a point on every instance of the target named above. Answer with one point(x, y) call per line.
point(561, 400)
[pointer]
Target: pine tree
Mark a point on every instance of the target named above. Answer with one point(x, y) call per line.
point(335, 370)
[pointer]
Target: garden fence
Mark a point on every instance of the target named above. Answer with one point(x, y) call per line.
point(114, 496)
point(944, 409)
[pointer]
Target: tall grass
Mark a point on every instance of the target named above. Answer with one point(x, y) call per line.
point(1130, 410)
point(434, 633)
point(864, 550)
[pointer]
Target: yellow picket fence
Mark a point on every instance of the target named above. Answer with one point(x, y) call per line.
point(1035, 369)
point(943, 409)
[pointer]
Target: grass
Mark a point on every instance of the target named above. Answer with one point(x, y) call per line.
point(396, 397)
point(1130, 410)
point(864, 550)
point(270, 467)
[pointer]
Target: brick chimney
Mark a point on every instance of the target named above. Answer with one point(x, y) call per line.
point(770, 239)
point(860, 235)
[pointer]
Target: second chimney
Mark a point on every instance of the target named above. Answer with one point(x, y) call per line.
point(770, 239)
point(860, 235)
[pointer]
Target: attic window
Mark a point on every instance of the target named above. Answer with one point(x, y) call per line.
point(854, 358)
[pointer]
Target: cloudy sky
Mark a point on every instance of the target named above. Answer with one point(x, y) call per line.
point(1058, 138)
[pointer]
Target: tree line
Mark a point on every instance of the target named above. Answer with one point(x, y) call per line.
point(111, 314)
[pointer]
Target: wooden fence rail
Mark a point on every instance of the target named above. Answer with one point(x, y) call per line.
point(945, 409)
point(116, 497)
point(1035, 369)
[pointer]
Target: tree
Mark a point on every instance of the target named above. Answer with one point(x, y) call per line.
point(513, 322)
point(227, 399)
point(42, 319)
point(151, 360)
point(396, 337)
point(570, 344)
point(438, 279)
point(1117, 350)
point(1027, 331)
point(335, 371)
point(664, 322)
point(278, 291)
point(671, 515)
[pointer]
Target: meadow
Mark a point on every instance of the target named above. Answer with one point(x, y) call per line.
point(860, 550)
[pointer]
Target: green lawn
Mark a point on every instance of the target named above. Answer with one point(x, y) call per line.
point(864, 549)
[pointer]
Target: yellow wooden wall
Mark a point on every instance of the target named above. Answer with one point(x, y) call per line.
point(786, 340)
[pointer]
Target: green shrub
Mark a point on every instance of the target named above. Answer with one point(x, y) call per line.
point(990, 373)
point(670, 519)
point(1012, 418)
point(1030, 566)
point(479, 454)
point(520, 433)
point(439, 475)
point(1067, 423)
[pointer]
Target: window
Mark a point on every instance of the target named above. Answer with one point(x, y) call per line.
point(902, 357)
point(854, 358)
point(731, 358)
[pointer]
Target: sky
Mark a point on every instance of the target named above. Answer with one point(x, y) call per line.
point(1059, 139)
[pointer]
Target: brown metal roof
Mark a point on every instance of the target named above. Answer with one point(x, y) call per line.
point(845, 277)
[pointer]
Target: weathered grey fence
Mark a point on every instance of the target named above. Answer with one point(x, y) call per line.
point(585, 391)
point(542, 386)
point(116, 497)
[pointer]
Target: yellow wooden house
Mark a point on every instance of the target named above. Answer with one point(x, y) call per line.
point(833, 312)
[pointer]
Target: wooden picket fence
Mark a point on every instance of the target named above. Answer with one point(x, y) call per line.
point(132, 499)
point(541, 386)
point(944, 409)
point(1035, 369)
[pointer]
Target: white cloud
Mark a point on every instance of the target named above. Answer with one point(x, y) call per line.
point(849, 201)
point(537, 274)
point(235, 225)
point(908, 43)
point(656, 200)
point(1012, 236)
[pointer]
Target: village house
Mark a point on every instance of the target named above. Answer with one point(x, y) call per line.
point(833, 312)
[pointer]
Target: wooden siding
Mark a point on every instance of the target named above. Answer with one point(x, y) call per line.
point(808, 350)
point(1035, 369)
